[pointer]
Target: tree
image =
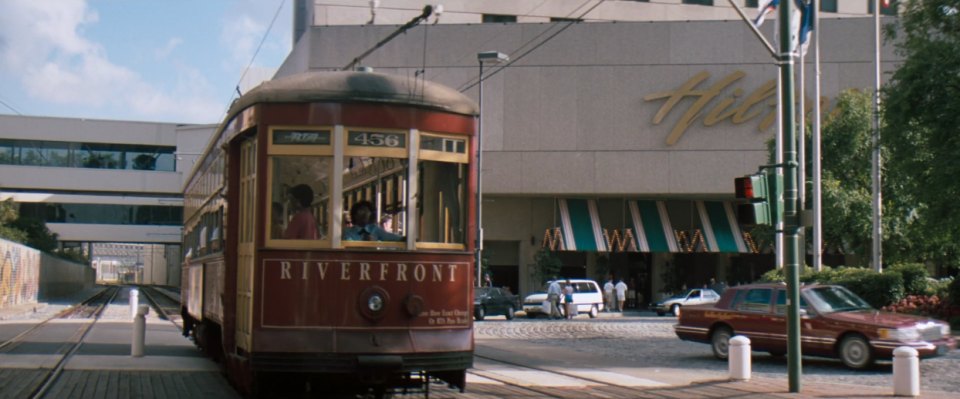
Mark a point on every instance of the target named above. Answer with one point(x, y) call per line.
point(921, 117)
point(9, 214)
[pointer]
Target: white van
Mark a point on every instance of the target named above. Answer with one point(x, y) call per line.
point(586, 295)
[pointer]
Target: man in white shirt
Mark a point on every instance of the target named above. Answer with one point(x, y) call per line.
point(608, 297)
point(553, 295)
point(621, 288)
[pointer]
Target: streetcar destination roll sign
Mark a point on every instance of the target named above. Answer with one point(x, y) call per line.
point(307, 137)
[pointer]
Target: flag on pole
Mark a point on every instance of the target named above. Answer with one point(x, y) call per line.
point(804, 23)
point(765, 8)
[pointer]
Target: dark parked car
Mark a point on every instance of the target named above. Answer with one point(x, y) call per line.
point(492, 301)
point(834, 323)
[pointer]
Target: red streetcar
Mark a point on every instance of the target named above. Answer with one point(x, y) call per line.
point(328, 235)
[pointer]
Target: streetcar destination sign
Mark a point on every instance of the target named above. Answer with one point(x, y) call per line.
point(297, 137)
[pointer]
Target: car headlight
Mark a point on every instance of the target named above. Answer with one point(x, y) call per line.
point(945, 330)
point(900, 334)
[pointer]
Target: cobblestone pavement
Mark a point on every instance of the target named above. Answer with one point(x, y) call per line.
point(649, 341)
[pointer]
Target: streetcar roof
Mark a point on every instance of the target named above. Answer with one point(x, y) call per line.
point(352, 86)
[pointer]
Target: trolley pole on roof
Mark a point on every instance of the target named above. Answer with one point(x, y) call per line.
point(427, 11)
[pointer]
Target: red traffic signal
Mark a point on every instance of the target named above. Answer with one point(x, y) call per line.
point(751, 187)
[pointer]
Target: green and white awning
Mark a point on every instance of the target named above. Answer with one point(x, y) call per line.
point(651, 227)
point(720, 228)
point(580, 223)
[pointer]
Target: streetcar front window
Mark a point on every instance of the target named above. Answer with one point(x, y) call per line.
point(442, 202)
point(299, 197)
point(374, 200)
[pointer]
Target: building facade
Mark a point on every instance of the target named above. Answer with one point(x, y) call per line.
point(98, 182)
point(613, 146)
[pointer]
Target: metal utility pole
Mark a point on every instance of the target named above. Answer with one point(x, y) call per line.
point(877, 161)
point(791, 220)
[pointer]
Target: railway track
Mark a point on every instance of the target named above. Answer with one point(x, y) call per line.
point(164, 303)
point(499, 378)
point(90, 310)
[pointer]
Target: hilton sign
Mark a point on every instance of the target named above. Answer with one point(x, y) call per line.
point(718, 102)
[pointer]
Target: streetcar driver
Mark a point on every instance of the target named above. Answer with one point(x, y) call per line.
point(364, 227)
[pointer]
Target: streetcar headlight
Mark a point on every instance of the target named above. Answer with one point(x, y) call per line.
point(375, 303)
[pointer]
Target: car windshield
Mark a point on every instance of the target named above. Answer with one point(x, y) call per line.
point(835, 299)
point(480, 291)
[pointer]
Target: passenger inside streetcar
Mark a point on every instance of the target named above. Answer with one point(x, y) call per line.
point(302, 226)
point(364, 227)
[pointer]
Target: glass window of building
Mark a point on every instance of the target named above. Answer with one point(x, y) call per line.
point(700, 2)
point(300, 166)
point(828, 5)
point(496, 18)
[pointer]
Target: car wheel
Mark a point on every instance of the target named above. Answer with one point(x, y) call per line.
point(510, 312)
point(855, 352)
point(720, 342)
point(594, 312)
point(479, 313)
point(675, 309)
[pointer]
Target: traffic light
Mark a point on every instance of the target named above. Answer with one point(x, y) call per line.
point(755, 189)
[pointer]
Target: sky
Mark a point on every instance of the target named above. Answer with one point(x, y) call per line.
point(139, 60)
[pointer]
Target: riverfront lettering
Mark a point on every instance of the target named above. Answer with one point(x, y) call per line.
point(369, 271)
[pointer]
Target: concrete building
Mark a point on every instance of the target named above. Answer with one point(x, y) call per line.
point(100, 182)
point(612, 145)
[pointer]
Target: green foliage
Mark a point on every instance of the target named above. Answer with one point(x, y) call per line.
point(914, 277)
point(878, 289)
point(547, 265)
point(953, 292)
point(38, 235)
point(921, 116)
point(9, 214)
point(846, 182)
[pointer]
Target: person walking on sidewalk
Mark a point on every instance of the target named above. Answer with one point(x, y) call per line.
point(553, 296)
point(568, 300)
point(621, 288)
point(608, 296)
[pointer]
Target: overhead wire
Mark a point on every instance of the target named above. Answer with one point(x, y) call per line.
point(513, 60)
point(10, 106)
point(255, 53)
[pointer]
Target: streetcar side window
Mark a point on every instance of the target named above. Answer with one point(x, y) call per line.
point(300, 167)
point(442, 203)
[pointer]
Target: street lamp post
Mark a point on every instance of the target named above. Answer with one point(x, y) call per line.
point(493, 57)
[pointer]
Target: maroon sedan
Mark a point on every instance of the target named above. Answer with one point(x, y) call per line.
point(834, 323)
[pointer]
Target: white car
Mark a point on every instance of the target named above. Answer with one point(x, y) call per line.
point(695, 296)
point(586, 295)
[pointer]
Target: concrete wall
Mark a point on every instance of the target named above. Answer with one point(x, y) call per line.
point(19, 274)
point(62, 278)
point(28, 275)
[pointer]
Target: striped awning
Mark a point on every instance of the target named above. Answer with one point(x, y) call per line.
point(651, 226)
point(720, 228)
point(580, 223)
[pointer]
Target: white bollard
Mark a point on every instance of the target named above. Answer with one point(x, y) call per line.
point(906, 372)
point(139, 331)
point(134, 301)
point(738, 355)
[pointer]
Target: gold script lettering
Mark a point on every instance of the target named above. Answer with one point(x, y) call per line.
point(727, 108)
